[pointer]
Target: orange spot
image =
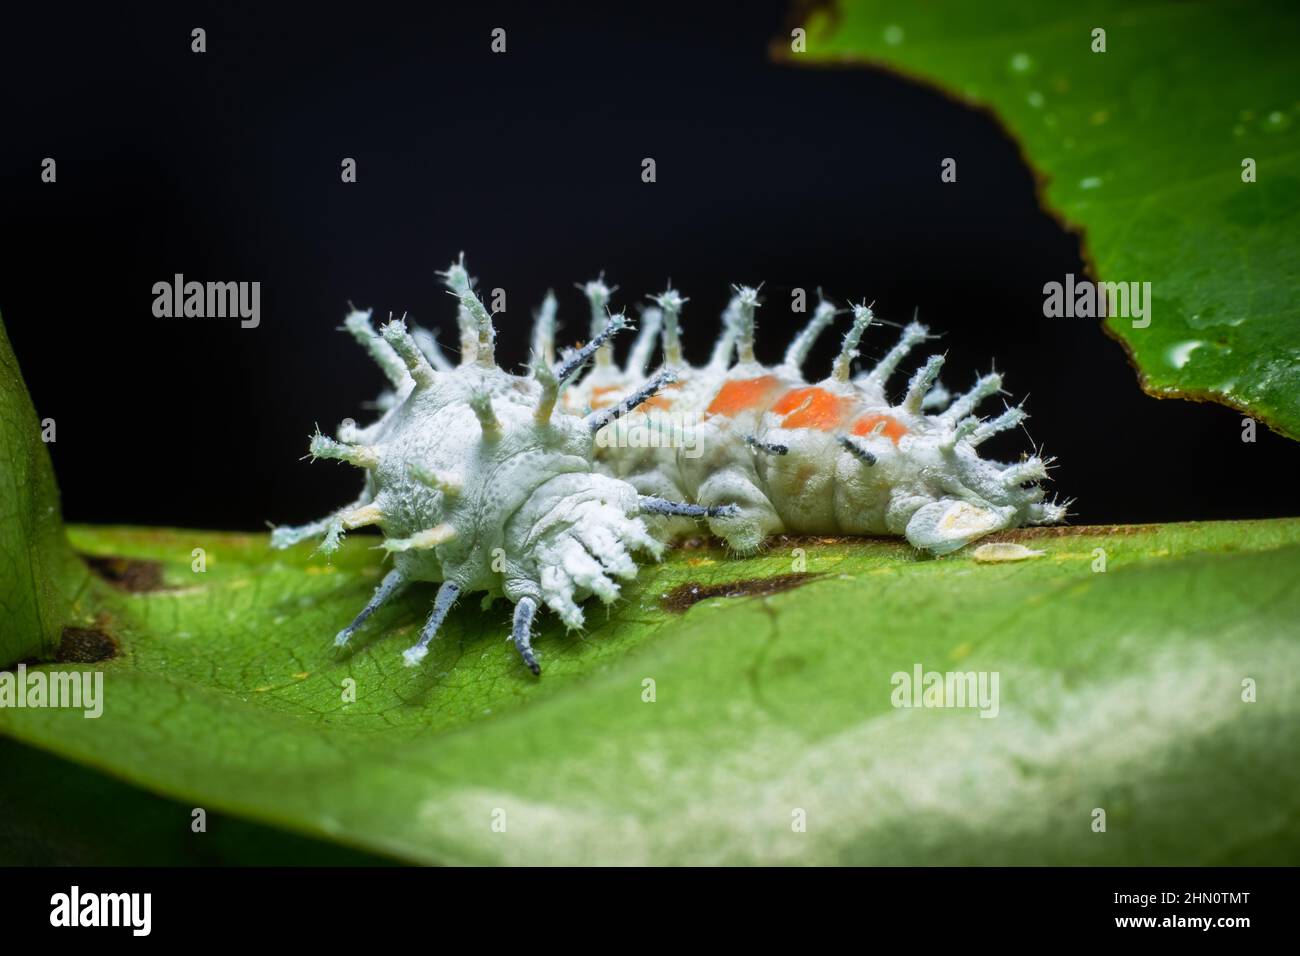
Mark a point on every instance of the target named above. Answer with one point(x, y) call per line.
point(742, 394)
point(893, 430)
point(661, 400)
point(599, 395)
point(811, 408)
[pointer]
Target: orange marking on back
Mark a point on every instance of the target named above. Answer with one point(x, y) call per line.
point(893, 430)
point(742, 394)
point(662, 400)
point(599, 393)
point(811, 407)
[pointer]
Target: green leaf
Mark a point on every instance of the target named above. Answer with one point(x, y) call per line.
point(40, 578)
point(1142, 148)
point(1119, 689)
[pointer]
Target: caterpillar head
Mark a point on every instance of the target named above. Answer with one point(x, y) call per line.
point(478, 482)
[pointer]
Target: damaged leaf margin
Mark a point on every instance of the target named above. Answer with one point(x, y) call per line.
point(1141, 149)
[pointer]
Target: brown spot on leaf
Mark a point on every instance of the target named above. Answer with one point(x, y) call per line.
point(133, 575)
point(85, 645)
point(1073, 531)
point(683, 596)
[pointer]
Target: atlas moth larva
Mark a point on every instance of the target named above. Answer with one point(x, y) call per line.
point(523, 487)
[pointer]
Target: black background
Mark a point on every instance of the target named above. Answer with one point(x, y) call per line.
point(1020, 905)
point(225, 166)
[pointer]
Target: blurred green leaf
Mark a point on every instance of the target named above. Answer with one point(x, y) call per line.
point(40, 577)
point(56, 813)
point(1141, 147)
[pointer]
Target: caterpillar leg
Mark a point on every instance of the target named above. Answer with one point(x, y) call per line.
point(751, 518)
point(521, 632)
point(394, 583)
point(944, 526)
point(447, 595)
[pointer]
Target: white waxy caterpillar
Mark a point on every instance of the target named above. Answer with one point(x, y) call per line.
point(519, 487)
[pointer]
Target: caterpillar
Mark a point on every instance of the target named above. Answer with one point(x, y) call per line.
point(544, 487)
